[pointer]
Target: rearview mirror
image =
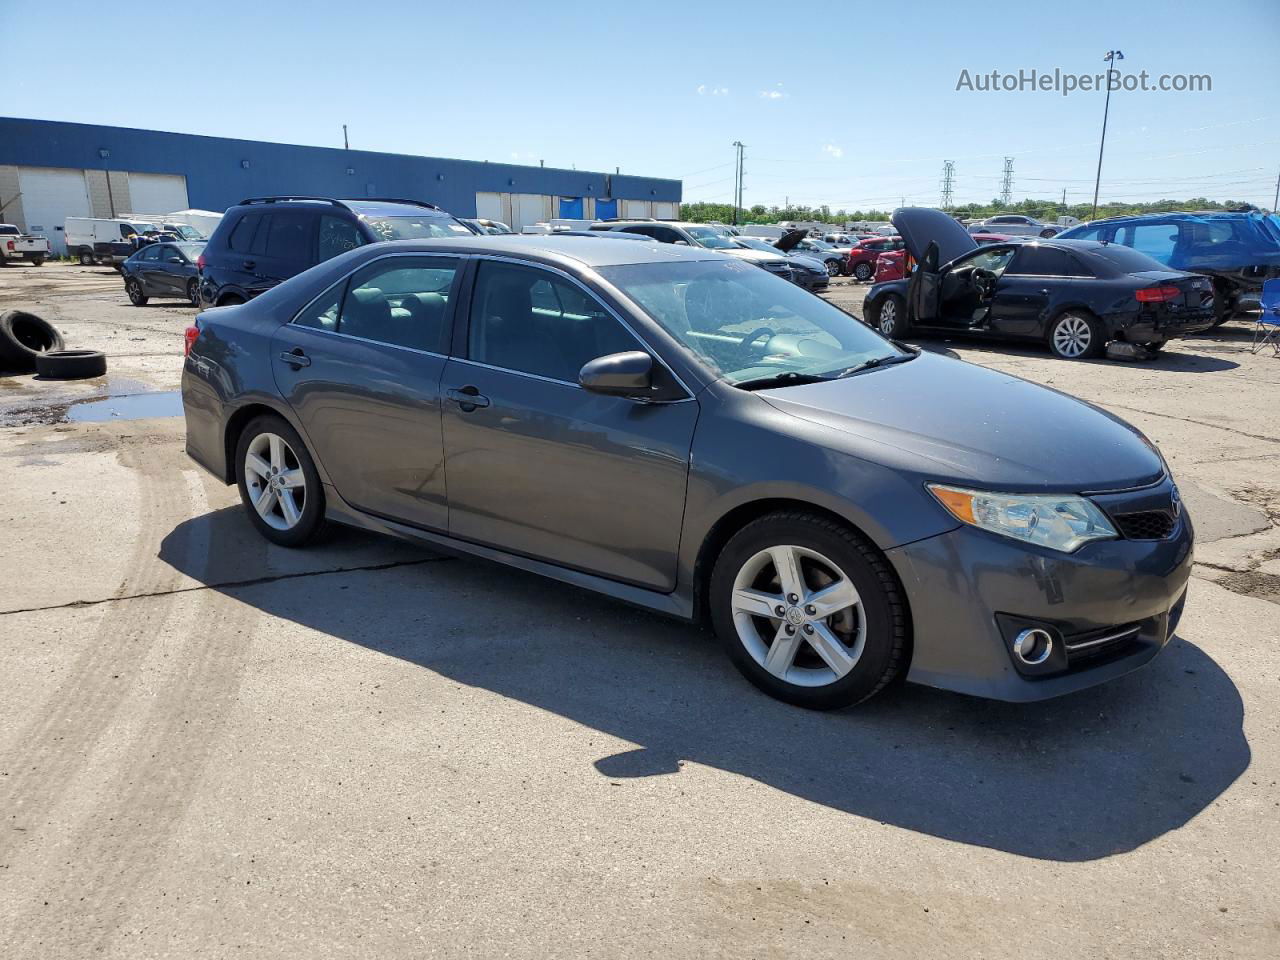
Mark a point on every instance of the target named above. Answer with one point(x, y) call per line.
point(619, 374)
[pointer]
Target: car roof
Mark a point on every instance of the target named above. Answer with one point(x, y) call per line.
point(552, 248)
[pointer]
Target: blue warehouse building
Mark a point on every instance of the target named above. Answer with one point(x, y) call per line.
point(51, 170)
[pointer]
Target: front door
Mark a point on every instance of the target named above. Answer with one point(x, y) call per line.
point(541, 467)
point(361, 368)
point(1020, 307)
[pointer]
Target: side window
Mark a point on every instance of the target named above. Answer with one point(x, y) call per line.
point(289, 236)
point(994, 260)
point(336, 236)
point(323, 313)
point(241, 238)
point(1092, 233)
point(1156, 240)
point(1040, 261)
point(533, 321)
point(150, 253)
point(402, 301)
point(646, 231)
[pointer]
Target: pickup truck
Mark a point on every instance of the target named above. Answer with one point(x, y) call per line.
point(16, 245)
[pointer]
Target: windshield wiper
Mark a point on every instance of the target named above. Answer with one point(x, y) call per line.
point(788, 378)
point(876, 362)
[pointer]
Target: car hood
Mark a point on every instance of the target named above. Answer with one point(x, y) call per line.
point(919, 226)
point(956, 422)
point(755, 256)
point(808, 260)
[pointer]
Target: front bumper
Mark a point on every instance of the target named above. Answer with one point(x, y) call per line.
point(971, 591)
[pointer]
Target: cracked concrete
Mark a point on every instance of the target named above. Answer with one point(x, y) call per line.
point(210, 745)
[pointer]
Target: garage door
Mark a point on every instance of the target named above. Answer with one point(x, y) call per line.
point(49, 196)
point(157, 192)
point(528, 209)
point(489, 206)
point(635, 208)
point(664, 211)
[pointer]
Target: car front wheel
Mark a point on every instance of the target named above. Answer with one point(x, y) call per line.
point(891, 317)
point(833, 268)
point(279, 484)
point(134, 289)
point(809, 611)
point(863, 271)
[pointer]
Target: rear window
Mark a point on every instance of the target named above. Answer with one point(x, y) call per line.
point(7, 230)
point(1125, 259)
point(289, 235)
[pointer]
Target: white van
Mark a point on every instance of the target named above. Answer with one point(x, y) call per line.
point(92, 240)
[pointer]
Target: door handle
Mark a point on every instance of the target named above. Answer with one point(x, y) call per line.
point(296, 358)
point(468, 398)
point(249, 264)
point(1045, 292)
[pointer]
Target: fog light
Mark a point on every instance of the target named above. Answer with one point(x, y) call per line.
point(1033, 647)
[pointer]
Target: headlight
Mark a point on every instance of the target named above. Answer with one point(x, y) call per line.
point(1059, 521)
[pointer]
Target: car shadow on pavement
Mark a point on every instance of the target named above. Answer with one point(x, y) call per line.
point(1079, 778)
point(1183, 357)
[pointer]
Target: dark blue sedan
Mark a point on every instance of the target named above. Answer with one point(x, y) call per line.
point(163, 270)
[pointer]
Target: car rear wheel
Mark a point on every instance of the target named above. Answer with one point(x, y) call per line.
point(1046, 234)
point(279, 484)
point(193, 292)
point(134, 289)
point(1076, 336)
point(809, 611)
point(891, 317)
point(86, 258)
point(863, 271)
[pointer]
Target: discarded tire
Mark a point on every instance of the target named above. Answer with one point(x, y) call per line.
point(71, 364)
point(23, 337)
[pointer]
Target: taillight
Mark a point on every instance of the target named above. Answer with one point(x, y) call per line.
point(1161, 294)
point(200, 262)
point(10, 244)
point(189, 338)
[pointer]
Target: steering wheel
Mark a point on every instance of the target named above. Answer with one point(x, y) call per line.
point(753, 336)
point(984, 282)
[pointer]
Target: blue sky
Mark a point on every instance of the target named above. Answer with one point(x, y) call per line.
point(846, 103)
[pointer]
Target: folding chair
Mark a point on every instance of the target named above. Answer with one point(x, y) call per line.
point(1266, 331)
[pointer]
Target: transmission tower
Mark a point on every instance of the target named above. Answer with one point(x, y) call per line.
point(1006, 188)
point(948, 175)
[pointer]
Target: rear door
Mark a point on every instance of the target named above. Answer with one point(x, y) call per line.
point(361, 368)
point(283, 246)
point(541, 467)
point(171, 271)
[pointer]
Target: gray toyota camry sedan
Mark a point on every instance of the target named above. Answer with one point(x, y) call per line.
point(682, 430)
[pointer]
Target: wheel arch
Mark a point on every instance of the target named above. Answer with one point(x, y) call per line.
point(234, 427)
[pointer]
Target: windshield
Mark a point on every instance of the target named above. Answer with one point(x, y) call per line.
point(191, 250)
point(188, 233)
point(710, 238)
point(817, 245)
point(754, 243)
point(415, 228)
point(744, 323)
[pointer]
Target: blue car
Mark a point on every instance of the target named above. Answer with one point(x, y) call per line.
point(1239, 250)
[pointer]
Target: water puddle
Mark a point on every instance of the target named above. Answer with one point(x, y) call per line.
point(139, 406)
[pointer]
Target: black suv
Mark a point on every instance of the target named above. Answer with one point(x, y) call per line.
point(265, 240)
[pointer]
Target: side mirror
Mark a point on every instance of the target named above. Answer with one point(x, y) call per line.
point(618, 374)
point(680, 243)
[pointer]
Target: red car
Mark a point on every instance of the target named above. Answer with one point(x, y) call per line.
point(862, 258)
point(889, 265)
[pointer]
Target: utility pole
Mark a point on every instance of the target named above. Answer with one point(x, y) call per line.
point(1110, 60)
point(1064, 199)
point(345, 144)
point(1006, 187)
point(737, 179)
point(948, 174)
point(1275, 204)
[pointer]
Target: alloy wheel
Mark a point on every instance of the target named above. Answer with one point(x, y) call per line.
point(275, 481)
point(193, 292)
point(833, 268)
point(862, 272)
point(888, 317)
point(798, 616)
point(1072, 336)
point(135, 292)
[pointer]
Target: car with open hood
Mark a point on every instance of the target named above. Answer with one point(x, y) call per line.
point(1075, 296)
point(1239, 250)
point(676, 428)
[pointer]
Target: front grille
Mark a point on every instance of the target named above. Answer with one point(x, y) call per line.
point(1100, 644)
point(1146, 525)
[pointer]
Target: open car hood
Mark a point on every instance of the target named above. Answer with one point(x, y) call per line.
point(919, 226)
point(788, 240)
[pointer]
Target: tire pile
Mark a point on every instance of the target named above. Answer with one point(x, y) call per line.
point(28, 343)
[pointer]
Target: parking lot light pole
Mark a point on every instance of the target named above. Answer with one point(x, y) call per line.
point(1111, 57)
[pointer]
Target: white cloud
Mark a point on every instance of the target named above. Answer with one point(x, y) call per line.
point(704, 91)
point(835, 151)
point(771, 94)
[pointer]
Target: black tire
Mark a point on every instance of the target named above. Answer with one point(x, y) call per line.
point(193, 292)
point(230, 300)
point(1046, 234)
point(23, 337)
point(71, 364)
point(133, 287)
point(1155, 346)
point(891, 317)
point(37, 261)
point(862, 272)
point(86, 258)
point(1094, 343)
point(311, 522)
point(885, 627)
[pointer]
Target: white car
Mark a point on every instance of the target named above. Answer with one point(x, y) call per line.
point(1016, 225)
